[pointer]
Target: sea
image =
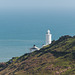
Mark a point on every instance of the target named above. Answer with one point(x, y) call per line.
point(20, 30)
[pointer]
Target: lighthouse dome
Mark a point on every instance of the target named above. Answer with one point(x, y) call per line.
point(48, 32)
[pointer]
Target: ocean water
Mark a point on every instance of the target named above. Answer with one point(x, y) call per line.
point(14, 48)
point(20, 30)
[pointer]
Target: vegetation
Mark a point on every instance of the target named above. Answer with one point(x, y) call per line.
point(57, 58)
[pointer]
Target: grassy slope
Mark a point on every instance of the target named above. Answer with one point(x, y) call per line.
point(55, 59)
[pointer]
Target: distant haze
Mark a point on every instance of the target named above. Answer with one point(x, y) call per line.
point(30, 4)
point(20, 19)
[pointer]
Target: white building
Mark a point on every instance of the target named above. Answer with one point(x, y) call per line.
point(48, 41)
point(48, 38)
point(34, 48)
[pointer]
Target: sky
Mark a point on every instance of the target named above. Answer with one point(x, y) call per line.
point(36, 4)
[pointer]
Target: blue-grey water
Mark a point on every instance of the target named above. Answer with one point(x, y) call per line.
point(13, 48)
point(20, 30)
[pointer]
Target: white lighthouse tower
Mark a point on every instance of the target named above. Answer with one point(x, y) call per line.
point(48, 37)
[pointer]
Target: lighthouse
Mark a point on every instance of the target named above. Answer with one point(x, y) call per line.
point(48, 37)
point(48, 41)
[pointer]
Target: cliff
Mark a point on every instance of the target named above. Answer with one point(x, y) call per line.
point(57, 58)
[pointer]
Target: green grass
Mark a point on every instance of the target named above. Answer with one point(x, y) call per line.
point(57, 58)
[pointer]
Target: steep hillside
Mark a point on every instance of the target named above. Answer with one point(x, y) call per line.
point(57, 58)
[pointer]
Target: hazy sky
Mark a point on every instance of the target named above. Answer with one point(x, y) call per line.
point(36, 4)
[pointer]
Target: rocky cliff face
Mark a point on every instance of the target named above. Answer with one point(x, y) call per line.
point(57, 58)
